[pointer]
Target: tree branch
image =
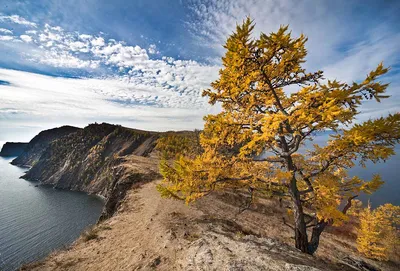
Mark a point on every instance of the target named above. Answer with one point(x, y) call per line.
point(348, 204)
point(297, 144)
point(271, 160)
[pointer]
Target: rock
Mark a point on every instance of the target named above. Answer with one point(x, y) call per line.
point(359, 264)
point(156, 262)
point(10, 149)
point(215, 250)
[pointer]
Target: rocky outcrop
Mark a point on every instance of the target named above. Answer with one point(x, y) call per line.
point(95, 160)
point(10, 149)
point(39, 143)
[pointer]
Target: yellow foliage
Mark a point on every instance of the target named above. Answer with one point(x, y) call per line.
point(175, 143)
point(378, 236)
point(254, 141)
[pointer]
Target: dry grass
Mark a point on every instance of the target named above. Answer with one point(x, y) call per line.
point(90, 233)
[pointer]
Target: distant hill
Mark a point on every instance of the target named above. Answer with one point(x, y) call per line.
point(10, 149)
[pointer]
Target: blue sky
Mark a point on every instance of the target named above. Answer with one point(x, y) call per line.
point(143, 64)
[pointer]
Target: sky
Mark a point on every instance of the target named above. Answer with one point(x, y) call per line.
point(144, 63)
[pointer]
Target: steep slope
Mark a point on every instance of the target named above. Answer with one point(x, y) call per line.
point(93, 159)
point(39, 144)
point(152, 233)
point(13, 149)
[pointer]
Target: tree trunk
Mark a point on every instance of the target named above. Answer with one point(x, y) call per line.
point(316, 233)
point(300, 229)
point(300, 226)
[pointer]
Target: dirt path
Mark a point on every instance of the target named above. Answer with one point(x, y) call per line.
point(136, 238)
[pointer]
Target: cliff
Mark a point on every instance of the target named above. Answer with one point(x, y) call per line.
point(98, 160)
point(13, 149)
point(39, 143)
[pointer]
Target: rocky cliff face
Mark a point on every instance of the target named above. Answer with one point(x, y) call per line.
point(39, 144)
point(13, 149)
point(97, 160)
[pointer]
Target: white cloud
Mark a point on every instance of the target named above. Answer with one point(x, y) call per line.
point(99, 41)
point(85, 36)
point(6, 38)
point(128, 56)
point(47, 35)
point(65, 60)
point(108, 50)
point(32, 98)
point(139, 85)
point(16, 19)
point(31, 32)
point(26, 38)
point(5, 31)
point(342, 52)
point(70, 50)
point(55, 28)
point(153, 49)
point(326, 24)
point(79, 46)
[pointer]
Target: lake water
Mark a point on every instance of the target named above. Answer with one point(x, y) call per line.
point(34, 221)
point(389, 171)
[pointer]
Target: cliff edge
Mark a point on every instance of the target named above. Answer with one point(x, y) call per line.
point(98, 159)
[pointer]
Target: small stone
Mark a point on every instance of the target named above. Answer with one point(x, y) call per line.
point(156, 262)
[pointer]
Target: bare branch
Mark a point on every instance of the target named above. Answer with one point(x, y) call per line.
point(348, 204)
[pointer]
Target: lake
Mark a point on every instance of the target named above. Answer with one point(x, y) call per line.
point(389, 171)
point(34, 221)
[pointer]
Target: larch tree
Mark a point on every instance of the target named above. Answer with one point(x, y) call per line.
point(378, 236)
point(255, 141)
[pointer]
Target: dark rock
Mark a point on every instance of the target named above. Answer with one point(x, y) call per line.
point(359, 264)
point(156, 262)
point(10, 149)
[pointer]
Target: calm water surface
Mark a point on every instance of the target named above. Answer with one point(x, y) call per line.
point(36, 220)
point(389, 171)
